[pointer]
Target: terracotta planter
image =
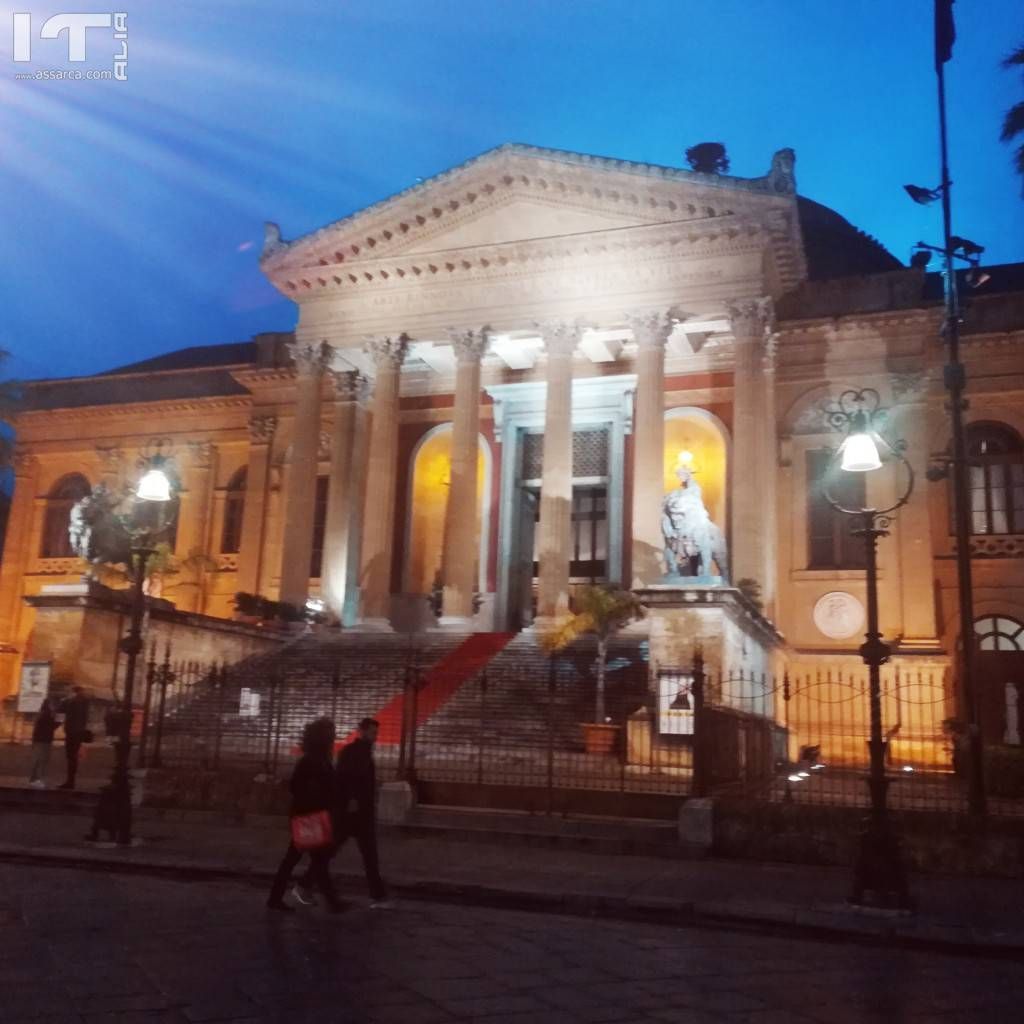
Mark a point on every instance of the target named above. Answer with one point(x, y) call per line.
point(599, 738)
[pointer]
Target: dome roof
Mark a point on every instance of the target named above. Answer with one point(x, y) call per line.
point(835, 248)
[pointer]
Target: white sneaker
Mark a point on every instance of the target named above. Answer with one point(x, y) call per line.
point(385, 904)
point(37, 784)
point(303, 896)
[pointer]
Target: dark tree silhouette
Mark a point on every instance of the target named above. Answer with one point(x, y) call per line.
point(1013, 123)
point(708, 158)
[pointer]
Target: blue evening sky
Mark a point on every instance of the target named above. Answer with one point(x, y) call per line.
point(131, 212)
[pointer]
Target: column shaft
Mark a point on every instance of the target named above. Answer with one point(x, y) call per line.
point(17, 552)
point(379, 508)
point(344, 495)
point(651, 331)
point(254, 510)
point(300, 499)
point(459, 559)
point(555, 527)
point(770, 470)
point(747, 472)
point(193, 527)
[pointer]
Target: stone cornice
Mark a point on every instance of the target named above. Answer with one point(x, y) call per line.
point(693, 240)
point(160, 407)
point(642, 191)
point(909, 318)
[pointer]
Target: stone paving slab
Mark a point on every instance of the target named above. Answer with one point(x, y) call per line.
point(981, 915)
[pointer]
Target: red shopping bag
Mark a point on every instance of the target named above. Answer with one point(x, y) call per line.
point(311, 831)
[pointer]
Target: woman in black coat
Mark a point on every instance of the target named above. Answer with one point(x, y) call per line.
point(312, 790)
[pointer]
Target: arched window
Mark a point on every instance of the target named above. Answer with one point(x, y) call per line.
point(63, 495)
point(234, 506)
point(995, 479)
point(998, 633)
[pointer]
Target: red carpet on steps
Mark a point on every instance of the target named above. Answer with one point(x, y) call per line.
point(440, 683)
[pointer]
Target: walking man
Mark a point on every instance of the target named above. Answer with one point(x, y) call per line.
point(76, 730)
point(355, 811)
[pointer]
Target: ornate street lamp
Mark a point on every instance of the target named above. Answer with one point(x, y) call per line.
point(144, 526)
point(879, 878)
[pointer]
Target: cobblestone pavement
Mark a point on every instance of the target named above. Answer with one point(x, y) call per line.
point(82, 947)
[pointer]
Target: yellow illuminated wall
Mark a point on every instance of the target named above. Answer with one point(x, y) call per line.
point(701, 437)
point(430, 483)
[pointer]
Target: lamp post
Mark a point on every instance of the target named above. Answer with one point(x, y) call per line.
point(879, 878)
point(151, 498)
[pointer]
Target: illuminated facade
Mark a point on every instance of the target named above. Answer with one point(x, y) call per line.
point(491, 380)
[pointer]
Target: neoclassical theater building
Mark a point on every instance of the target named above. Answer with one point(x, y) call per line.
point(493, 378)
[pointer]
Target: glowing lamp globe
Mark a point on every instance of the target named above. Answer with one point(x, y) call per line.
point(154, 486)
point(860, 454)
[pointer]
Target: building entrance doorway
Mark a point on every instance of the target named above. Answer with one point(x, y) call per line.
point(1000, 672)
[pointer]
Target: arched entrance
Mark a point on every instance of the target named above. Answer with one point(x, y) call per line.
point(1000, 673)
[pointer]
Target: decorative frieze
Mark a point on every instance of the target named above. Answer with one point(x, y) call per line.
point(262, 428)
point(910, 386)
point(200, 453)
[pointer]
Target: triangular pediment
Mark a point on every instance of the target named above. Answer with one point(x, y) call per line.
point(518, 193)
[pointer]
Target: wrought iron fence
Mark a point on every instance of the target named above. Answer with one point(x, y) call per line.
point(522, 734)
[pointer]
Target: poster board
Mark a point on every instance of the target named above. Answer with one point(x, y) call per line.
point(34, 686)
point(248, 703)
point(675, 703)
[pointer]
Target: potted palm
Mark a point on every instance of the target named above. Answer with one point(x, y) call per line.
point(601, 610)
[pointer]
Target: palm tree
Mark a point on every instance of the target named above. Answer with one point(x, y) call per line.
point(601, 610)
point(1013, 123)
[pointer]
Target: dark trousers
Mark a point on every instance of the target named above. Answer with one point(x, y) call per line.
point(317, 874)
point(72, 746)
point(364, 831)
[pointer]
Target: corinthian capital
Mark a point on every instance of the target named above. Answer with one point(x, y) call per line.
point(387, 353)
point(23, 461)
point(560, 336)
point(201, 453)
point(468, 344)
point(350, 386)
point(261, 429)
point(311, 358)
point(650, 328)
point(751, 318)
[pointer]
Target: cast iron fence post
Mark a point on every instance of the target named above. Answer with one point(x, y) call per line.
point(788, 795)
point(164, 678)
point(150, 678)
point(220, 680)
point(482, 726)
point(413, 715)
point(700, 766)
point(552, 676)
point(270, 722)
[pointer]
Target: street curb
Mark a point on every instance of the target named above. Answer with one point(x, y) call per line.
point(823, 923)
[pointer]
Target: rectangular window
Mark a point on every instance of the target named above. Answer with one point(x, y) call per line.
point(831, 544)
point(589, 533)
point(319, 527)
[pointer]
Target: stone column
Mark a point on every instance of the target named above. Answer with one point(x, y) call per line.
point(554, 529)
point(461, 547)
point(379, 509)
point(650, 331)
point(913, 530)
point(17, 552)
point(770, 469)
point(344, 495)
point(254, 510)
point(194, 523)
point(311, 360)
point(748, 556)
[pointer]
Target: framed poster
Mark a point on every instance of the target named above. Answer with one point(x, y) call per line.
point(34, 686)
point(675, 703)
point(248, 703)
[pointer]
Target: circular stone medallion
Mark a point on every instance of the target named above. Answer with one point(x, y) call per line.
point(839, 615)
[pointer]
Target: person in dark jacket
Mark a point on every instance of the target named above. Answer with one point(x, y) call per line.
point(45, 726)
point(76, 729)
point(355, 811)
point(311, 786)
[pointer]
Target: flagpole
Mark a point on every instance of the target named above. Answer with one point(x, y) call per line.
point(955, 379)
